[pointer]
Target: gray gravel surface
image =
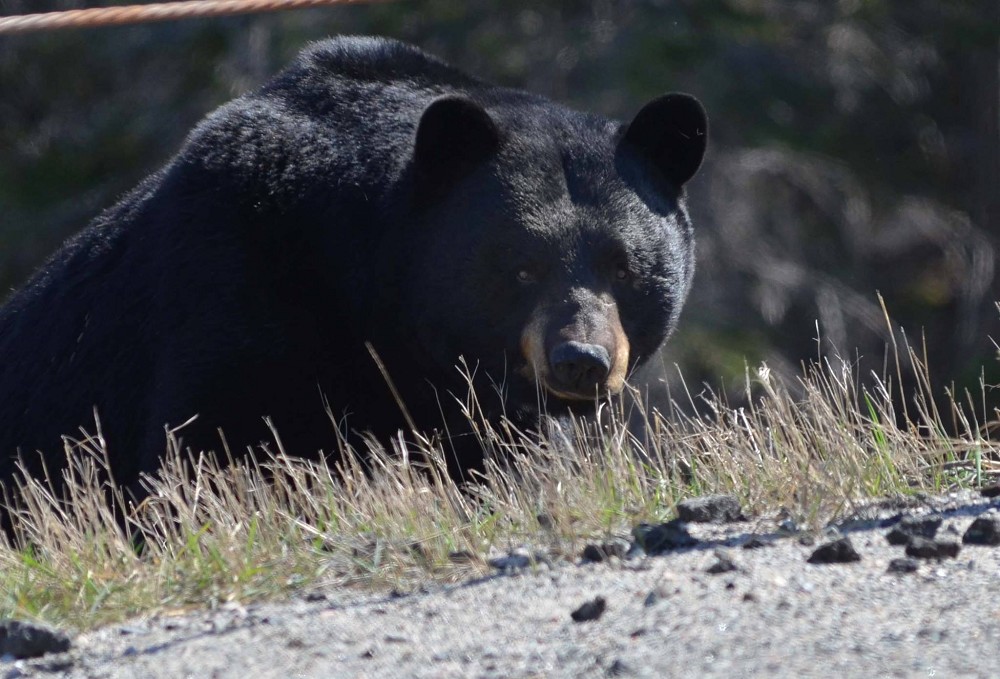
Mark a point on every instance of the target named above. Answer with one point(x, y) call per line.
point(771, 614)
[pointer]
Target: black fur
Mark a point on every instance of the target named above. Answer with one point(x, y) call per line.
point(298, 223)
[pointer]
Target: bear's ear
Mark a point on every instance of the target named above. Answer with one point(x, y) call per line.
point(453, 136)
point(671, 132)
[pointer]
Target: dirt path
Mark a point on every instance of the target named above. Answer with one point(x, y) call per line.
point(666, 616)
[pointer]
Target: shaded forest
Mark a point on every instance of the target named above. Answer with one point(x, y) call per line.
point(855, 147)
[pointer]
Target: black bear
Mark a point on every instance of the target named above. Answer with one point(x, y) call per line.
point(368, 201)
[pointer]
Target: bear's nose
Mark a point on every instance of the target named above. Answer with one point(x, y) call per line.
point(580, 368)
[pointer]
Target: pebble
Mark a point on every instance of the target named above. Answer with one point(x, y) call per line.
point(903, 565)
point(663, 537)
point(511, 562)
point(723, 564)
point(992, 490)
point(710, 509)
point(984, 531)
point(21, 639)
point(924, 548)
point(597, 553)
point(913, 526)
point(837, 551)
point(591, 610)
point(618, 669)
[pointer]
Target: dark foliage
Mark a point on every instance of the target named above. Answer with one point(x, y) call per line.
point(856, 146)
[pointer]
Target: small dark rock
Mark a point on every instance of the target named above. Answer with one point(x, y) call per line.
point(591, 610)
point(984, 531)
point(604, 551)
point(653, 597)
point(756, 542)
point(992, 490)
point(618, 669)
point(837, 551)
point(924, 548)
point(663, 537)
point(723, 564)
point(544, 521)
point(807, 540)
point(913, 526)
point(903, 565)
point(511, 562)
point(710, 509)
point(313, 597)
point(30, 640)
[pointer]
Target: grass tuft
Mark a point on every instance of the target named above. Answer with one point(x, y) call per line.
point(215, 530)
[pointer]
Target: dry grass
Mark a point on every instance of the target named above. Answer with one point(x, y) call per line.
point(260, 529)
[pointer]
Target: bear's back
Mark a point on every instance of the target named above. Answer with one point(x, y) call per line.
point(359, 82)
point(380, 61)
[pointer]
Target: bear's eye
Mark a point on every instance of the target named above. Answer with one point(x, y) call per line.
point(524, 276)
point(622, 273)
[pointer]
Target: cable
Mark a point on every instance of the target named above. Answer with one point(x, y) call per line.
point(163, 11)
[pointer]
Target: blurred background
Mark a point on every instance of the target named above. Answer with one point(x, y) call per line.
point(854, 148)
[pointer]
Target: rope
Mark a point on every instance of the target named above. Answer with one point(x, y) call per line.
point(163, 11)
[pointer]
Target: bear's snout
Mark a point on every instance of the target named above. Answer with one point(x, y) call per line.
point(579, 368)
point(576, 351)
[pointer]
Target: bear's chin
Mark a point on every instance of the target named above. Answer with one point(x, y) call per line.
point(532, 401)
point(570, 398)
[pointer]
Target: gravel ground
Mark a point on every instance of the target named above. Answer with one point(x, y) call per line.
point(714, 609)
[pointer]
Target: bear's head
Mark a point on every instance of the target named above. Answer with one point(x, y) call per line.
point(561, 246)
